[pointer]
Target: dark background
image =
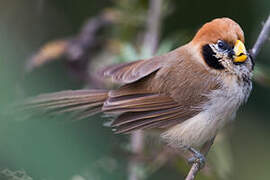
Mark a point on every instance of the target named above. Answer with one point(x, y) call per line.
point(54, 149)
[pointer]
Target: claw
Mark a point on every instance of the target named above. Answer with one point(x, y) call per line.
point(197, 157)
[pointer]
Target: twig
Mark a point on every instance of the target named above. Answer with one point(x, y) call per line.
point(77, 50)
point(153, 26)
point(40, 6)
point(263, 37)
point(193, 171)
point(196, 166)
point(151, 42)
point(87, 38)
point(136, 142)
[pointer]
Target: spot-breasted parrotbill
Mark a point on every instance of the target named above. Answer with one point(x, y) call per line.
point(189, 93)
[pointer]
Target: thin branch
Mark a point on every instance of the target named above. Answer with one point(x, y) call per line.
point(151, 42)
point(87, 38)
point(261, 40)
point(263, 37)
point(40, 6)
point(193, 171)
point(136, 142)
point(153, 26)
point(196, 166)
point(77, 50)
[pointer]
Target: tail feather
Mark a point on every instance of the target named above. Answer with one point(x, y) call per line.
point(83, 103)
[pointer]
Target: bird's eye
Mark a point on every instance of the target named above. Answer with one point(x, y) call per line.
point(222, 45)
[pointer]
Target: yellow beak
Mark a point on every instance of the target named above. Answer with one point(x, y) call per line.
point(240, 52)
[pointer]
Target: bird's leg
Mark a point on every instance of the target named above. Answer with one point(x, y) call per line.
point(199, 157)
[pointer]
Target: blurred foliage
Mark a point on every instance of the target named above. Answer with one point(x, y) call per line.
point(58, 149)
point(14, 175)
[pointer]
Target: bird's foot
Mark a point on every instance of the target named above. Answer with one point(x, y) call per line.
point(196, 158)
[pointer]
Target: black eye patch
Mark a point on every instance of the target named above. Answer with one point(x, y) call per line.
point(210, 58)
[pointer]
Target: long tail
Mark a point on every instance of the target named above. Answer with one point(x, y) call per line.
point(83, 103)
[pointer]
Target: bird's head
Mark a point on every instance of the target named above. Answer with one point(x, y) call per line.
point(221, 45)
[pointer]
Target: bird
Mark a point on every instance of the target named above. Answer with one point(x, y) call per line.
point(189, 94)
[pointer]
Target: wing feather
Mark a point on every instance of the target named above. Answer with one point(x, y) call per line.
point(75, 101)
point(146, 110)
point(133, 71)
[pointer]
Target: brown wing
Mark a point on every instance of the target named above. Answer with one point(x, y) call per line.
point(144, 110)
point(171, 95)
point(133, 71)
